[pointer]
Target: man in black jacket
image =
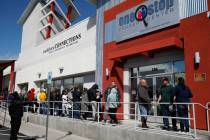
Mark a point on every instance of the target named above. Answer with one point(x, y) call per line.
point(16, 113)
point(182, 95)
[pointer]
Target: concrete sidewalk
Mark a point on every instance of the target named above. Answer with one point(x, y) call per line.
point(34, 130)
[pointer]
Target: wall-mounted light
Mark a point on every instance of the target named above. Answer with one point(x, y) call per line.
point(39, 74)
point(107, 72)
point(61, 69)
point(208, 14)
point(197, 59)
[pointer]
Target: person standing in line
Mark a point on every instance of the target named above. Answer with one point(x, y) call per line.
point(166, 92)
point(84, 104)
point(64, 102)
point(112, 105)
point(76, 94)
point(16, 114)
point(92, 99)
point(182, 94)
point(106, 94)
point(144, 101)
point(43, 98)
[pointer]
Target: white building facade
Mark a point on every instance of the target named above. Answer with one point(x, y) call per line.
point(69, 54)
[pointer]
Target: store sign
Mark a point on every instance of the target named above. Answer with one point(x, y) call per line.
point(147, 17)
point(63, 44)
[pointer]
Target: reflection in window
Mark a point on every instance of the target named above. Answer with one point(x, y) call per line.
point(78, 80)
point(179, 67)
point(156, 69)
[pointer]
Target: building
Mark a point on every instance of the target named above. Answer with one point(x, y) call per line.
point(154, 39)
point(51, 43)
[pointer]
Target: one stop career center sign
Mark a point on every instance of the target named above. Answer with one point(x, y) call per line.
point(147, 17)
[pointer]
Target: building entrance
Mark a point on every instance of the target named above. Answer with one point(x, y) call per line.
point(154, 74)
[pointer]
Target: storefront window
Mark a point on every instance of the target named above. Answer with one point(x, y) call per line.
point(78, 80)
point(155, 69)
point(57, 84)
point(68, 83)
point(179, 67)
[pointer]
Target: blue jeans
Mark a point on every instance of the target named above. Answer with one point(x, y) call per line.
point(183, 112)
point(44, 108)
point(166, 112)
point(144, 110)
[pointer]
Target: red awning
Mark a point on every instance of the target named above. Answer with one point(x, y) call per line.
point(159, 44)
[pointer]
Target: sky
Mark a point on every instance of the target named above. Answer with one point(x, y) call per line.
point(10, 31)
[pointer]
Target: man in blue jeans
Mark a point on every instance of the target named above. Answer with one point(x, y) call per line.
point(166, 92)
point(182, 94)
point(144, 101)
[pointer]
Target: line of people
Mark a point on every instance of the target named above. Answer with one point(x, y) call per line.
point(166, 103)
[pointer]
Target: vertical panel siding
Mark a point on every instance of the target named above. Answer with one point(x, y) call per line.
point(112, 3)
point(110, 31)
point(190, 8)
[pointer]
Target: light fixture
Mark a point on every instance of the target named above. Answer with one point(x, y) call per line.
point(39, 74)
point(107, 72)
point(61, 69)
point(197, 60)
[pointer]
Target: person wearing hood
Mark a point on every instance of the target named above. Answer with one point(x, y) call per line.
point(16, 114)
point(182, 94)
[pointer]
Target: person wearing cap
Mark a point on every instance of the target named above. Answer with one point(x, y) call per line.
point(166, 92)
point(16, 114)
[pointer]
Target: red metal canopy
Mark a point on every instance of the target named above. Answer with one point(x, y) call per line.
point(159, 44)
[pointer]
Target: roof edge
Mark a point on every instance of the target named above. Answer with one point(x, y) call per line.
point(30, 7)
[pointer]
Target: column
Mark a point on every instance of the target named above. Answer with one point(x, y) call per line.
point(12, 74)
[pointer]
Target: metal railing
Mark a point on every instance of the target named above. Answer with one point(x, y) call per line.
point(207, 115)
point(72, 112)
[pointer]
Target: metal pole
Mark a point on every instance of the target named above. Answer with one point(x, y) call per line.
point(72, 113)
point(98, 112)
point(48, 107)
point(194, 121)
point(207, 115)
point(53, 108)
point(188, 106)
point(135, 116)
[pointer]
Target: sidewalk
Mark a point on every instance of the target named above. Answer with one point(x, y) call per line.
point(34, 130)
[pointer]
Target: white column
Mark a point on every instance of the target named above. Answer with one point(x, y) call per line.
point(126, 84)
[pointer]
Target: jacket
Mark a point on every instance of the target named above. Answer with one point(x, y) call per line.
point(112, 99)
point(182, 94)
point(143, 95)
point(16, 107)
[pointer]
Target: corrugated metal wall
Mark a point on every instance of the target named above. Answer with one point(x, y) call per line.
point(190, 8)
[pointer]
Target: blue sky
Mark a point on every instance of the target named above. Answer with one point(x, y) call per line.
point(10, 31)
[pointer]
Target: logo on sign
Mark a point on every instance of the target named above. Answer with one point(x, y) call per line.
point(148, 12)
point(141, 14)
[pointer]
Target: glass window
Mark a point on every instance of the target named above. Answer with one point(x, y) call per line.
point(68, 83)
point(179, 67)
point(156, 69)
point(78, 80)
point(57, 84)
point(134, 72)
